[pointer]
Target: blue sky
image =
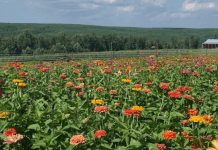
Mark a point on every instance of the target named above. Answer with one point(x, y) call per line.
point(125, 13)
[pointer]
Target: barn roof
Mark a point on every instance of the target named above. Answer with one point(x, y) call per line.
point(211, 41)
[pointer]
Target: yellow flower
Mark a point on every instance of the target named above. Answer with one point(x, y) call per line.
point(215, 144)
point(67, 115)
point(139, 108)
point(136, 89)
point(4, 114)
point(127, 80)
point(20, 84)
point(199, 119)
point(17, 81)
point(97, 101)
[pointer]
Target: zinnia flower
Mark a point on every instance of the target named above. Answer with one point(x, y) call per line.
point(146, 90)
point(183, 122)
point(126, 80)
point(100, 133)
point(139, 108)
point(107, 71)
point(136, 89)
point(160, 146)
point(63, 76)
point(13, 139)
point(164, 86)
point(80, 79)
point(169, 135)
point(100, 88)
point(69, 84)
point(132, 112)
point(43, 69)
point(192, 112)
point(174, 94)
point(77, 139)
point(77, 71)
point(101, 109)
point(10, 132)
point(21, 73)
point(215, 89)
point(97, 101)
point(4, 114)
point(113, 92)
point(215, 144)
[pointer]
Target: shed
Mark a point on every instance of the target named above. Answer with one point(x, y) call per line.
point(210, 43)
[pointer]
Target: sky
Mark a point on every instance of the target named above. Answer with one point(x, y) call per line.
point(118, 13)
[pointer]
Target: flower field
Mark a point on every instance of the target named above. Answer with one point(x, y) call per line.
point(151, 103)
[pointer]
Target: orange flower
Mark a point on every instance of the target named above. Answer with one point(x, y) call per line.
point(116, 103)
point(107, 71)
point(80, 79)
point(174, 94)
point(215, 82)
point(43, 70)
point(186, 96)
point(192, 112)
point(100, 133)
point(138, 85)
point(187, 136)
point(79, 94)
point(21, 73)
point(101, 109)
point(113, 92)
point(77, 71)
point(77, 139)
point(164, 86)
point(91, 86)
point(89, 74)
point(100, 88)
point(195, 74)
point(169, 135)
point(10, 132)
point(63, 76)
point(215, 89)
point(183, 122)
point(146, 90)
point(8, 64)
point(69, 84)
point(129, 67)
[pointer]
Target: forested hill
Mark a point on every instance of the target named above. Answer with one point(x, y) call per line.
point(27, 38)
point(7, 29)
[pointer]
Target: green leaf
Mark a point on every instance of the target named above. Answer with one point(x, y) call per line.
point(38, 144)
point(116, 140)
point(151, 109)
point(120, 148)
point(153, 146)
point(106, 146)
point(34, 127)
point(187, 129)
point(134, 143)
point(70, 147)
point(48, 121)
point(176, 114)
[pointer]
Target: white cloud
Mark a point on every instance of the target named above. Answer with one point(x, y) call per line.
point(108, 1)
point(128, 8)
point(156, 2)
point(92, 6)
point(196, 5)
point(167, 15)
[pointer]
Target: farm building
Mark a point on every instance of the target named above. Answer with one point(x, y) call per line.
point(210, 43)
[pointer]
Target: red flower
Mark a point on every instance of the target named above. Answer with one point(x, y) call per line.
point(77, 139)
point(215, 89)
point(174, 94)
point(195, 74)
point(10, 132)
point(107, 71)
point(78, 87)
point(63, 76)
point(100, 88)
point(101, 109)
point(169, 135)
point(113, 92)
point(192, 112)
point(43, 69)
point(21, 73)
point(183, 89)
point(146, 90)
point(131, 112)
point(100, 133)
point(0, 92)
point(79, 94)
point(138, 85)
point(160, 146)
point(8, 64)
point(1, 81)
point(164, 86)
point(77, 71)
point(183, 122)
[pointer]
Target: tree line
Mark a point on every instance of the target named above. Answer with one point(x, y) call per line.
point(26, 43)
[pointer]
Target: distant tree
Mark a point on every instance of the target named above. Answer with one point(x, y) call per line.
point(174, 41)
point(61, 38)
point(77, 47)
point(186, 43)
point(215, 35)
point(58, 48)
point(26, 39)
point(191, 41)
point(39, 51)
point(27, 51)
point(196, 43)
